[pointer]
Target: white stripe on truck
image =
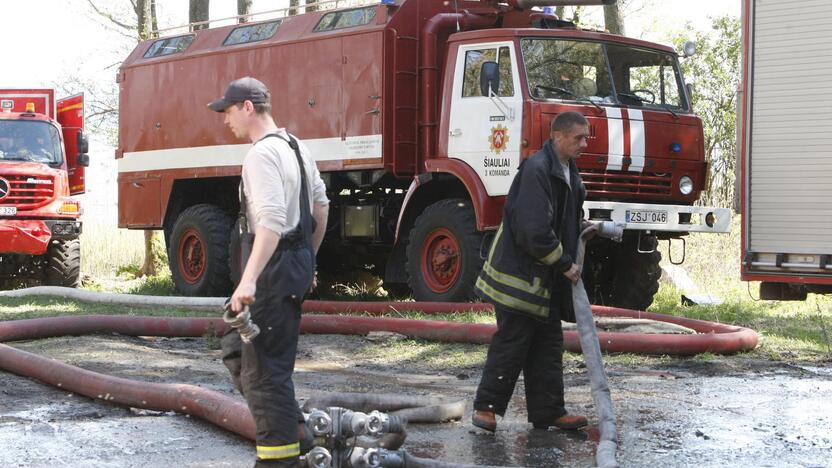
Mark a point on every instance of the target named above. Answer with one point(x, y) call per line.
point(615, 133)
point(636, 140)
point(322, 149)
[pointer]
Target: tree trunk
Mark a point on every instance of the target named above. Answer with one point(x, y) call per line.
point(576, 14)
point(243, 11)
point(312, 7)
point(559, 11)
point(144, 17)
point(613, 19)
point(151, 258)
point(153, 22)
point(293, 7)
point(198, 13)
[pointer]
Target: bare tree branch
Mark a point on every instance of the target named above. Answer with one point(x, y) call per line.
point(109, 16)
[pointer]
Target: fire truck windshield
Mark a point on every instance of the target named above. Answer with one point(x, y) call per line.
point(572, 70)
point(33, 141)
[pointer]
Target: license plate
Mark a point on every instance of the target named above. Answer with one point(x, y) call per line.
point(647, 217)
point(8, 210)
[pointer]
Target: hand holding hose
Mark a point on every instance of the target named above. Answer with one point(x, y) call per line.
point(243, 296)
point(573, 274)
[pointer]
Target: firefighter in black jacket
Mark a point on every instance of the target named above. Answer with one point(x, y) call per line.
point(529, 276)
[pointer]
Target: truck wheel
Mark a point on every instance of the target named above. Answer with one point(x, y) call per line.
point(617, 275)
point(198, 251)
point(443, 253)
point(63, 266)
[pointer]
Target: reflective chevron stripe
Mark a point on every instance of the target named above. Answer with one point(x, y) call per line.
point(516, 282)
point(265, 452)
point(510, 301)
point(553, 256)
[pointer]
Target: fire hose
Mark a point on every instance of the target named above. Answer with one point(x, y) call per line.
point(710, 337)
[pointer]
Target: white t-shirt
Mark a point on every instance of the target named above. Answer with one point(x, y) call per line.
point(271, 179)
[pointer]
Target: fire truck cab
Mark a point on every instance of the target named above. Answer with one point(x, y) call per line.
point(43, 152)
point(419, 114)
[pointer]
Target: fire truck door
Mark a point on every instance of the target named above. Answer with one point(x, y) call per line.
point(484, 131)
point(71, 118)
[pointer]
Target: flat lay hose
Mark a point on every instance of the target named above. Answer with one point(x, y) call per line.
point(710, 337)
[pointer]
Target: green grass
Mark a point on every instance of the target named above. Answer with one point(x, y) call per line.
point(425, 354)
point(105, 249)
point(39, 307)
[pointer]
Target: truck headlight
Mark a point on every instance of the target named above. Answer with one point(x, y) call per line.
point(685, 185)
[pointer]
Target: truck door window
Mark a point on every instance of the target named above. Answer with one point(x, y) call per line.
point(566, 70)
point(473, 65)
point(646, 78)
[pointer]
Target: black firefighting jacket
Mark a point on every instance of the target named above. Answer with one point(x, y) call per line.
point(536, 241)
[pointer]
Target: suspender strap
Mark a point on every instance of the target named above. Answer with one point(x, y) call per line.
point(305, 214)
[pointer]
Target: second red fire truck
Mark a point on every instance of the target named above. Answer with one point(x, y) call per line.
point(43, 153)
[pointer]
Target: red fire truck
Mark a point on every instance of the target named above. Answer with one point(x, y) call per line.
point(43, 152)
point(419, 113)
point(786, 157)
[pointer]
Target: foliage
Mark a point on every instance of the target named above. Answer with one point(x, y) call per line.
point(715, 72)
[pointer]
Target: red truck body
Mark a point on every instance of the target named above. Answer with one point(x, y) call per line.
point(378, 95)
point(39, 173)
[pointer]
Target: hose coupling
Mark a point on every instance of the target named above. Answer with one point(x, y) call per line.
point(381, 423)
point(241, 322)
point(610, 230)
point(318, 457)
point(365, 458)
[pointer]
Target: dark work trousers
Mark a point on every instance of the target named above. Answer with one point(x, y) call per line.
point(536, 348)
point(262, 370)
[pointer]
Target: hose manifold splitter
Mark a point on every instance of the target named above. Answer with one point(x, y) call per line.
point(338, 436)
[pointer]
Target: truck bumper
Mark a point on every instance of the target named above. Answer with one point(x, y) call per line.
point(661, 218)
point(24, 237)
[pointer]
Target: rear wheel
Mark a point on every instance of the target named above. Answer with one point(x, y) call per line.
point(617, 275)
point(443, 253)
point(198, 251)
point(63, 264)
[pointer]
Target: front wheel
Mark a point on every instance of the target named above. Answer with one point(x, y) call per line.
point(198, 251)
point(443, 253)
point(617, 275)
point(63, 263)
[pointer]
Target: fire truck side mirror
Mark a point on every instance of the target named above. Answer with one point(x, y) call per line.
point(688, 49)
point(83, 146)
point(489, 78)
point(82, 143)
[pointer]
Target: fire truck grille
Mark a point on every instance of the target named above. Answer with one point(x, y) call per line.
point(601, 182)
point(25, 193)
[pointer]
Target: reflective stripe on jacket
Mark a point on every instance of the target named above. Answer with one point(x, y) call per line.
point(536, 240)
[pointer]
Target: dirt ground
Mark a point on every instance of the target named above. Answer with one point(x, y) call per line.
point(725, 412)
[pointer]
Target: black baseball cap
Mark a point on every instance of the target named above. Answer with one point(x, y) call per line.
point(241, 90)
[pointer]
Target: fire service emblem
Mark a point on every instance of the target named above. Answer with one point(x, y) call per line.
point(498, 139)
